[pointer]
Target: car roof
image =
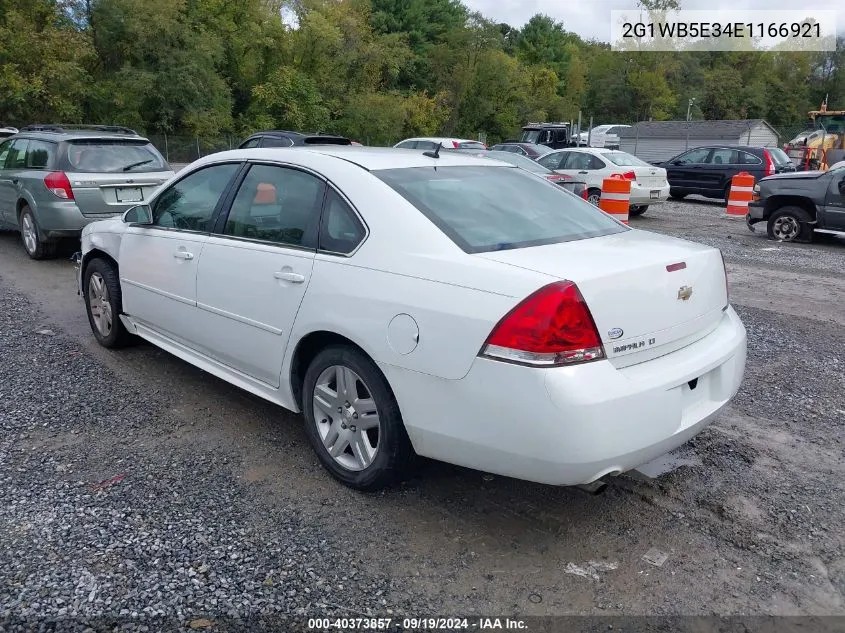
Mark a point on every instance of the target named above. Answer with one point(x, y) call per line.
point(438, 139)
point(369, 158)
point(76, 135)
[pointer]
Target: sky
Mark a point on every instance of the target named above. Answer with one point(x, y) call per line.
point(591, 18)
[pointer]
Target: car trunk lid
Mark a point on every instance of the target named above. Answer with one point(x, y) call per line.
point(106, 194)
point(650, 176)
point(649, 295)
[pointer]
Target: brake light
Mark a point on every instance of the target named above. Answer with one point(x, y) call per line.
point(629, 175)
point(455, 144)
point(585, 194)
point(770, 164)
point(727, 287)
point(551, 327)
point(58, 184)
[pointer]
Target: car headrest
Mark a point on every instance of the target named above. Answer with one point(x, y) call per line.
point(265, 194)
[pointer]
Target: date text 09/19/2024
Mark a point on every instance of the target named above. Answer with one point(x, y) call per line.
point(416, 624)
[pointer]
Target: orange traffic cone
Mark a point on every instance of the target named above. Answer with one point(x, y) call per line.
point(615, 197)
point(742, 188)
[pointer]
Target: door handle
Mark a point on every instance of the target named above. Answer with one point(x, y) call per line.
point(583, 172)
point(295, 278)
point(183, 255)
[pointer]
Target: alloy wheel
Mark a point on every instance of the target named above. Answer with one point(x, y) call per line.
point(347, 417)
point(29, 233)
point(98, 300)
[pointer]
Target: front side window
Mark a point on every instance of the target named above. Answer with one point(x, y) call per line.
point(39, 154)
point(341, 230)
point(583, 161)
point(190, 203)
point(17, 154)
point(484, 209)
point(277, 204)
point(407, 145)
point(120, 156)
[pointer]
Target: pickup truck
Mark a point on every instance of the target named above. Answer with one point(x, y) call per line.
point(797, 205)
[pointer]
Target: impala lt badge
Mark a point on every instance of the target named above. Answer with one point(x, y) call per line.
point(684, 293)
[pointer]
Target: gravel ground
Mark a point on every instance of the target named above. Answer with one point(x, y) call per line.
point(132, 483)
point(101, 515)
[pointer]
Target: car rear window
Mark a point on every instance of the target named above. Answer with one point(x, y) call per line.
point(493, 208)
point(104, 156)
point(624, 159)
point(471, 145)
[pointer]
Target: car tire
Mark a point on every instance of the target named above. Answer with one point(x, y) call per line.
point(593, 196)
point(637, 209)
point(31, 236)
point(104, 304)
point(790, 224)
point(334, 420)
point(676, 194)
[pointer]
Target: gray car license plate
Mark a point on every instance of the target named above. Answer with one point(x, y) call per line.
point(129, 194)
point(655, 195)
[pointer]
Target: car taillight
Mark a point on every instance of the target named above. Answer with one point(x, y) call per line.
point(629, 175)
point(585, 194)
point(770, 164)
point(551, 327)
point(58, 184)
point(727, 287)
point(455, 144)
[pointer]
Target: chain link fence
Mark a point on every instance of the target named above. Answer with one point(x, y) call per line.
point(186, 149)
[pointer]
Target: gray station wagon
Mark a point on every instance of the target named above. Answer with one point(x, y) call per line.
point(55, 179)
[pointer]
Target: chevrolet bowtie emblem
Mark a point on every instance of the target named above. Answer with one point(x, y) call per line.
point(684, 293)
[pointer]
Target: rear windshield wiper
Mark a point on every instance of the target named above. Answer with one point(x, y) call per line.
point(138, 164)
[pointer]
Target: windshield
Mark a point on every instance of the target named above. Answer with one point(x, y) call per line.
point(778, 155)
point(531, 136)
point(485, 209)
point(624, 159)
point(102, 156)
point(834, 123)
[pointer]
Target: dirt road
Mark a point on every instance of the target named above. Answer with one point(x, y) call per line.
point(749, 517)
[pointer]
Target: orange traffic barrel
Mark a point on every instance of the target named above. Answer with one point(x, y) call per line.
point(615, 197)
point(742, 188)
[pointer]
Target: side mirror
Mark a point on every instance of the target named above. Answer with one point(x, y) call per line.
point(141, 214)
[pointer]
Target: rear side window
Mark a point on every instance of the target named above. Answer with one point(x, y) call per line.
point(17, 154)
point(40, 154)
point(553, 161)
point(746, 158)
point(624, 159)
point(723, 156)
point(473, 145)
point(276, 204)
point(485, 209)
point(341, 231)
point(407, 145)
point(252, 142)
point(276, 141)
point(113, 157)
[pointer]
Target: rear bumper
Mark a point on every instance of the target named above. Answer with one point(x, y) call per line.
point(642, 194)
point(571, 425)
point(62, 218)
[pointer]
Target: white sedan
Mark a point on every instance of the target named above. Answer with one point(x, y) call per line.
point(592, 165)
point(452, 307)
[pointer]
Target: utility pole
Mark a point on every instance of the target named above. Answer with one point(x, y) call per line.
point(689, 107)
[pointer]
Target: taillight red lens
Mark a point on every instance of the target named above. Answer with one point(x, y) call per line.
point(551, 327)
point(455, 144)
point(629, 175)
point(585, 194)
point(58, 184)
point(770, 164)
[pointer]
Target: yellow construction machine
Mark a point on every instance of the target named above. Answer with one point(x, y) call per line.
point(823, 144)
